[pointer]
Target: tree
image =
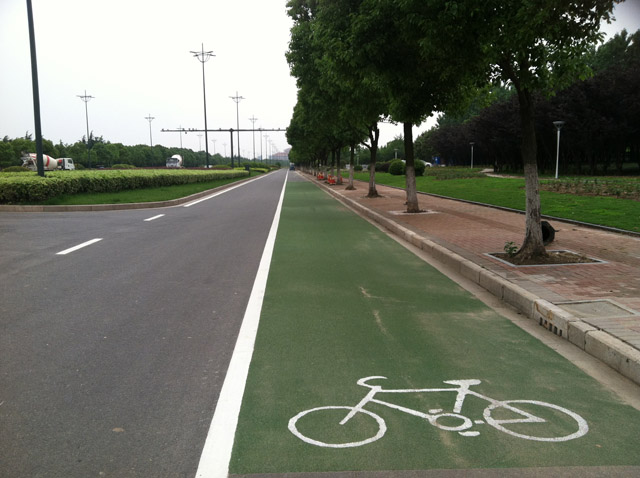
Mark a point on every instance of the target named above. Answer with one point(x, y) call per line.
point(424, 53)
point(538, 46)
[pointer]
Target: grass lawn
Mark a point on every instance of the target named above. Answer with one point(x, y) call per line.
point(509, 192)
point(139, 195)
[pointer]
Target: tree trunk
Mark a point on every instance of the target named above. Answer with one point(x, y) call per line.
point(351, 187)
point(339, 171)
point(374, 135)
point(410, 170)
point(532, 246)
point(333, 161)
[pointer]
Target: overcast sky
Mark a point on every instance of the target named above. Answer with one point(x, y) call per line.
point(133, 57)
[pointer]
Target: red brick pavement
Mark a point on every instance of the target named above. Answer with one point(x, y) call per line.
point(472, 231)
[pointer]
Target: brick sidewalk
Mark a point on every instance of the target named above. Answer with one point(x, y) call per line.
point(605, 295)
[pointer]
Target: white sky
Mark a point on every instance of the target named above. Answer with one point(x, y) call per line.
point(134, 57)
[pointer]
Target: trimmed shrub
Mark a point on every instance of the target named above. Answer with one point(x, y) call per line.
point(419, 167)
point(357, 167)
point(16, 169)
point(383, 167)
point(123, 166)
point(31, 188)
point(397, 167)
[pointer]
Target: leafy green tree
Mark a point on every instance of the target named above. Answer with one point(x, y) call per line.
point(7, 155)
point(538, 46)
point(424, 53)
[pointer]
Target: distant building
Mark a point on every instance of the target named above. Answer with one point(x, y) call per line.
point(281, 156)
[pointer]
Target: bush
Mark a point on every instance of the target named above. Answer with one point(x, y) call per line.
point(419, 167)
point(357, 167)
point(397, 167)
point(383, 167)
point(31, 188)
point(123, 166)
point(16, 169)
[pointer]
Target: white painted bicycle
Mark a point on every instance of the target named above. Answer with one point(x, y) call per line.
point(510, 416)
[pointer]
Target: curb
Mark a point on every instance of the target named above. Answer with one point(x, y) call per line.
point(618, 355)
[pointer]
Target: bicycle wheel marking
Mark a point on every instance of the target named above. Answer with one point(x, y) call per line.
point(382, 428)
point(462, 390)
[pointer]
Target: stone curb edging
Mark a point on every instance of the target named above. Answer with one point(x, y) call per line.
point(612, 351)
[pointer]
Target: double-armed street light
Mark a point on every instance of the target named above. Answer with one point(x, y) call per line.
point(237, 100)
point(558, 125)
point(150, 119)
point(203, 57)
point(253, 120)
point(86, 98)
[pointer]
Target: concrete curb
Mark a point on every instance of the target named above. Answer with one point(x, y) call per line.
point(612, 351)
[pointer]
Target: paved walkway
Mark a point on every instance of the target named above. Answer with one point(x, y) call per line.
point(592, 298)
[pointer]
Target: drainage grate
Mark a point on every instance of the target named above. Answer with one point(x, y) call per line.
point(601, 308)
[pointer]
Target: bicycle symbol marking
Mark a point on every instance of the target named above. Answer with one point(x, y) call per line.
point(462, 389)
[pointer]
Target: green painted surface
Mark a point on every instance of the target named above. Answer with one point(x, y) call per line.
point(344, 302)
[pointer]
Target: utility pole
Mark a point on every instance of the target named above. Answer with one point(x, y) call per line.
point(36, 91)
point(237, 100)
point(253, 120)
point(150, 119)
point(86, 98)
point(203, 57)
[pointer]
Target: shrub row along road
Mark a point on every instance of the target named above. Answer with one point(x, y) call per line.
point(113, 354)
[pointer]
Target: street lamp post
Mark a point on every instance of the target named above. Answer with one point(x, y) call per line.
point(237, 100)
point(203, 57)
point(150, 119)
point(472, 143)
point(558, 125)
point(36, 91)
point(86, 99)
point(253, 120)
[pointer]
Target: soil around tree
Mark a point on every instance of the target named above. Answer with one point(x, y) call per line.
point(552, 258)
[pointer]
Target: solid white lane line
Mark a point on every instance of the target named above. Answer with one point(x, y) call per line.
point(216, 454)
point(197, 201)
point(79, 246)
point(153, 218)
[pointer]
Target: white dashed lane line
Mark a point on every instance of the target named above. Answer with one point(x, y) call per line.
point(79, 246)
point(154, 218)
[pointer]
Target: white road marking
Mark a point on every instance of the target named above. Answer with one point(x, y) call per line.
point(79, 246)
point(154, 218)
point(197, 201)
point(216, 454)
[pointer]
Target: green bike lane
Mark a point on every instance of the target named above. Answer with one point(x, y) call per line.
point(344, 302)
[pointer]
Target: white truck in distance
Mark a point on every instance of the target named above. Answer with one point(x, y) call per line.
point(174, 161)
point(50, 164)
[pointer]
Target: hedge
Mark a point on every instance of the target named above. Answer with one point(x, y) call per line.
point(19, 188)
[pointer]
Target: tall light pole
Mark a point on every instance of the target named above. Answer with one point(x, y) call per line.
point(203, 57)
point(237, 100)
point(36, 91)
point(472, 143)
point(86, 98)
point(253, 120)
point(266, 146)
point(200, 144)
point(214, 146)
point(558, 125)
point(150, 119)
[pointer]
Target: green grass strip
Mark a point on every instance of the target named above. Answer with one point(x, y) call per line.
point(509, 192)
point(344, 301)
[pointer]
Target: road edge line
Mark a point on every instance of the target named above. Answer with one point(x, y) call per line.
point(216, 454)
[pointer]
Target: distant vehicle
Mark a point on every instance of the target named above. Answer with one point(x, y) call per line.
point(174, 161)
point(50, 164)
point(292, 167)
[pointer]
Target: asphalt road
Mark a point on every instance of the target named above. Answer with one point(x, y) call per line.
point(113, 355)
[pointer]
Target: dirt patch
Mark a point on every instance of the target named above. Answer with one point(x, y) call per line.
point(553, 258)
